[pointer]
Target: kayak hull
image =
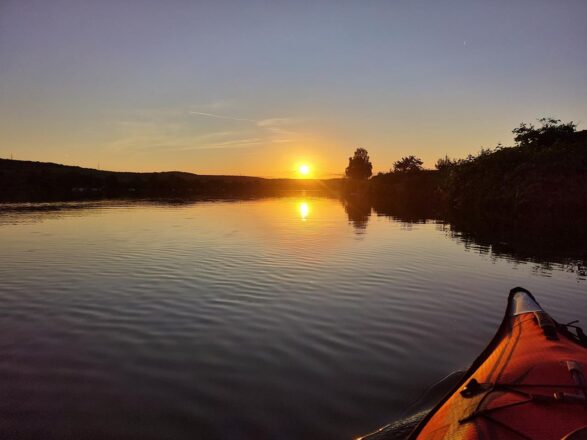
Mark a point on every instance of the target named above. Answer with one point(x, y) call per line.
point(527, 383)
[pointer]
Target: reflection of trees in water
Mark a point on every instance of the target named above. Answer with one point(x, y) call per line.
point(550, 246)
point(15, 213)
point(358, 211)
point(578, 267)
point(405, 212)
point(544, 240)
point(550, 242)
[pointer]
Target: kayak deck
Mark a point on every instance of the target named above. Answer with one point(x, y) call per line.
point(527, 384)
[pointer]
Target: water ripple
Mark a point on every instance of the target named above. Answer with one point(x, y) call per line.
point(238, 320)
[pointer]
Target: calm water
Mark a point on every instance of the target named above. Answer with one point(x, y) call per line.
point(276, 318)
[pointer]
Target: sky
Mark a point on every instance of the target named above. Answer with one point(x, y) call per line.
point(259, 87)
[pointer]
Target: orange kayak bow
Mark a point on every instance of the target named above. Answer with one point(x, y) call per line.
point(529, 383)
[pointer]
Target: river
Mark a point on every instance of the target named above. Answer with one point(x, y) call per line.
point(287, 318)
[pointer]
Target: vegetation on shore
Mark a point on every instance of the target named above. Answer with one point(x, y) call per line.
point(25, 181)
point(543, 174)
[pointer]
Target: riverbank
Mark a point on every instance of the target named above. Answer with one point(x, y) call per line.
point(537, 179)
point(543, 176)
point(26, 181)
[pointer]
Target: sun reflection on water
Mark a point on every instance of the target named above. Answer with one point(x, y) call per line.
point(304, 209)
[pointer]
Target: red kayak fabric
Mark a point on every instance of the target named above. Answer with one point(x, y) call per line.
point(510, 401)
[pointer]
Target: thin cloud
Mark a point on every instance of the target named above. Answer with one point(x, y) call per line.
point(212, 115)
point(161, 131)
point(282, 141)
point(268, 123)
point(276, 122)
point(276, 128)
point(235, 143)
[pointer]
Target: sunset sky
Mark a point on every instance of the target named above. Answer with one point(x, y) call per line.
point(260, 87)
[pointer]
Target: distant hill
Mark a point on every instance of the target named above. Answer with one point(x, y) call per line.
point(38, 181)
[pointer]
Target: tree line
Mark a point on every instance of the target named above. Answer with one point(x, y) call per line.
point(550, 132)
point(543, 173)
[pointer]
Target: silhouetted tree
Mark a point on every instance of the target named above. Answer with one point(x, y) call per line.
point(551, 130)
point(360, 166)
point(444, 163)
point(407, 164)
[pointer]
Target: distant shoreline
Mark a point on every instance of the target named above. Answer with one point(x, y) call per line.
point(28, 181)
point(540, 180)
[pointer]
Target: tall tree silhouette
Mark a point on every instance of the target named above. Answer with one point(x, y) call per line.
point(407, 164)
point(360, 166)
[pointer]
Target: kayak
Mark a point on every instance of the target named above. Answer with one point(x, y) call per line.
point(528, 383)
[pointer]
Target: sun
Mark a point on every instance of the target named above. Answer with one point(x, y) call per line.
point(304, 169)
